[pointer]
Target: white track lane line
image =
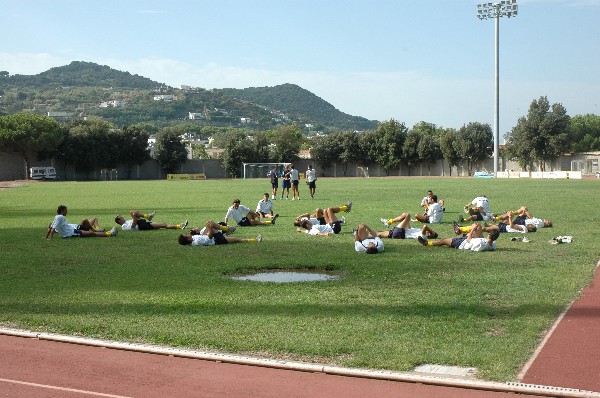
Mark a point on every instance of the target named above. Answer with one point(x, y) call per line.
point(98, 394)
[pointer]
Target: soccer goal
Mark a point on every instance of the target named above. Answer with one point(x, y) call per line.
point(362, 171)
point(261, 170)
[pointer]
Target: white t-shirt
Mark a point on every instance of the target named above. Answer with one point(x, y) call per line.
point(202, 240)
point(425, 201)
point(63, 228)
point(264, 206)
point(483, 202)
point(435, 213)
point(523, 231)
point(316, 228)
point(361, 246)
point(412, 233)
point(237, 214)
point(313, 221)
point(311, 175)
point(127, 226)
point(477, 245)
point(294, 175)
point(536, 222)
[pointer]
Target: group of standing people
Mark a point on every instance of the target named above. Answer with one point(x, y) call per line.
point(290, 177)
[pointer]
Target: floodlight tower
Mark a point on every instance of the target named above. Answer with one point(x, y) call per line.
point(504, 8)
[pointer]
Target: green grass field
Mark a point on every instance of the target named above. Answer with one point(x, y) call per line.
point(408, 306)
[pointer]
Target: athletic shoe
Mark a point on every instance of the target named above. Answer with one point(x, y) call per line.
point(349, 205)
point(343, 220)
point(516, 239)
point(461, 218)
point(385, 222)
point(293, 199)
point(525, 239)
point(113, 231)
point(422, 240)
point(353, 231)
point(184, 224)
point(259, 238)
point(230, 230)
point(457, 230)
point(274, 219)
point(151, 215)
point(554, 241)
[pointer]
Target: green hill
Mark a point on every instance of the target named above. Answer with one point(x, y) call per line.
point(86, 88)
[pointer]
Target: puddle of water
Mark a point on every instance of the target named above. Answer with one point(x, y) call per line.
point(288, 276)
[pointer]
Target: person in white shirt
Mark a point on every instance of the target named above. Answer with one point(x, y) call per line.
point(244, 217)
point(478, 210)
point(143, 222)
point(211, 235)
point(427, 199)
point(434, 213)
point(366, 240)
point(87, 227)
point(294, 176)
point(311, 180)
point(264, 208)
point(474, 240)
point(404, 230)
point(524, 217)
point(332, 226)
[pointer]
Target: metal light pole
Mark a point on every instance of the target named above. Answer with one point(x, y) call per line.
point(504, 8)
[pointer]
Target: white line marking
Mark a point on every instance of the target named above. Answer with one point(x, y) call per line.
point(99, 394)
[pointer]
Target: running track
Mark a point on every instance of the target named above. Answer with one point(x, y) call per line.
point(31, 367)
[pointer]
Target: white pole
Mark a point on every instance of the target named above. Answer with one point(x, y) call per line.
point(497, 94)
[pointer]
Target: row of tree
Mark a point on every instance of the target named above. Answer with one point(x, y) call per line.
point(546, 133)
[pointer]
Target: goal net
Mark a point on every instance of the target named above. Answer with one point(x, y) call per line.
point(362, 171)
point(261, 170)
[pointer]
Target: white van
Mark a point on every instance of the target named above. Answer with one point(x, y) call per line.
point(42, 173)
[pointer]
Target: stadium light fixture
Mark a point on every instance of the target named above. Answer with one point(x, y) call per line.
point(504, 8)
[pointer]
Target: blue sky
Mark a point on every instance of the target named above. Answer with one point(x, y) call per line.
point(412, 61)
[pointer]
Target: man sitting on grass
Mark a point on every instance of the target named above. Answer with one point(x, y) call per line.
point(434, 212)
point(87, 227)
point(474, 240)
point(366, 240)
point(143, 222)
point(212, 234)
point(404, 230)
point(332, 226)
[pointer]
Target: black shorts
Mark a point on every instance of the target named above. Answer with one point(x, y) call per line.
point(520, 220)
point(312, 184)
point(397, 233)
point(456, 242)
point(322, 220)
point(275, 184)
point(336, 226)
point(286, 184)
point(245, 222)
point(144, 225)
point(502, 227)
point(295, 183)
point(220, 239)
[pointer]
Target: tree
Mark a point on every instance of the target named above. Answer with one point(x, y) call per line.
point(325, 150)
point(410, 148)
point(133, 146)
point(449, 146)
point(169, 150)
point(541, 136)
point(29, 134)
point(349, 148)
point(585, 133)
point(475, 143)
point(428, 148)
point(288, 141)
point(390, 137)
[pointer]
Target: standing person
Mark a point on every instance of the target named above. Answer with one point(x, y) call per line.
point(274, 174)
point(434, 212)
point(244, 217)
point(286, 184)
point(143, 222)
point(311, 180)
point(473, 241)
point(295, 177)
point(86, 228)
point(264, 208)
point(366, 240)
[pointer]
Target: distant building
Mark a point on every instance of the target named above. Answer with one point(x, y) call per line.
point(165, 97)
point(195, 116)
point(114, 104)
